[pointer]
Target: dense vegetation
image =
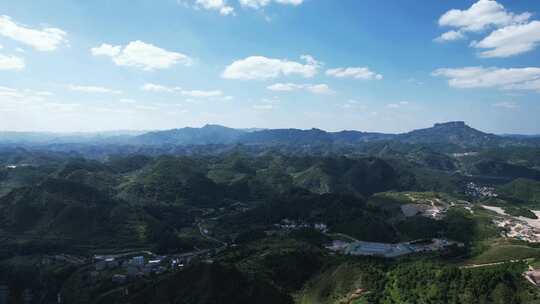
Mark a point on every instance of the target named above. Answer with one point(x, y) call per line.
point(245, 206)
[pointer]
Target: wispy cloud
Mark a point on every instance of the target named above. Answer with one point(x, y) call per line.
point(354, 72)
point(506, 105)
point(500, 78)
point(397, 105)
point(152, 87)
point(323, 89)
point(93, 89)
point(11, 63)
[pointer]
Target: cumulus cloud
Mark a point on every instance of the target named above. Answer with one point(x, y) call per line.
point(151, 87)
point(261, 68)
point(501, 78)
point(510, 40)
point(11, 63)
point(481, 16)
point(93, 89)
point(45, 39)
point(141, 55)
point(513, 33)
point(312, 88)
point(257, 4)
point(354, 72)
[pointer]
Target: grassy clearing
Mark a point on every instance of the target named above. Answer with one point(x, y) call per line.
point(504, 250)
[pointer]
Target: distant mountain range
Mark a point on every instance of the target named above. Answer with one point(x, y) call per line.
point(455, 133)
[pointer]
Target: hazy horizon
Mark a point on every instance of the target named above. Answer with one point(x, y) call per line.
point(375, 66)
point(126, 132)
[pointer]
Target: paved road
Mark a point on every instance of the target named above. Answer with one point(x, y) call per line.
point(489, 264)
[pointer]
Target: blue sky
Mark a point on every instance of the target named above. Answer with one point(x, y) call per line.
point(370, 65)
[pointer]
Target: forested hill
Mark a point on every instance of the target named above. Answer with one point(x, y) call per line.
point(455, 133)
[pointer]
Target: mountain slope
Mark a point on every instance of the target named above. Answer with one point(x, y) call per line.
point(455, 132)
point(209, 134)
point(64, 210)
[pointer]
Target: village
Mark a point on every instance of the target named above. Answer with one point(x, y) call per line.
point(477, 191)
point(520, 228)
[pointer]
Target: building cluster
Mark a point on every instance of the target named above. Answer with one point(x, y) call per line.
point(518, 229)
point(291, 225)
point(124, 269)
point(16, 166)
point(465, 154)
point(477, 191)
point(389, 250)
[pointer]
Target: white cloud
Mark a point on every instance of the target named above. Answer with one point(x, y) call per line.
point(507, 105)
point(93, 89)
point(481, 16)
point(14, 100)
point(397, 105)
point(290, 2)
point(11, 63)
point(510, 40)
point(141, 55)
point(313, 88)
point(354, 72)
point(256, 4)
point(259, 67)
point(450, 36)
point(284, 87)
point(106, 50)
point(219, 5)
point(147, 107)
point(214, 5)
point(201, 94)
point(480, 77)
point(46, 39)
point(319, 89)
point(151, 87)
point(353, 104)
